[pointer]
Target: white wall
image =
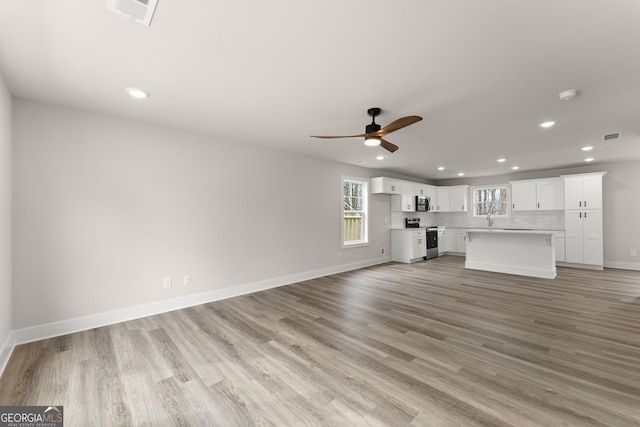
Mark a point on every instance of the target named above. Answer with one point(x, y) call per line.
point(621, 205)
point(105, 208)
point(5, 222)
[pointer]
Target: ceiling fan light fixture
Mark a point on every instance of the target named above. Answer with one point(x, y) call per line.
point(372, 141)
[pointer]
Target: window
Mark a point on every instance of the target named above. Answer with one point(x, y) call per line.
point(355, 198)
point(490, 201)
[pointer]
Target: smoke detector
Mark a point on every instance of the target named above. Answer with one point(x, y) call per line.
point(568, 95)
point(137, 10)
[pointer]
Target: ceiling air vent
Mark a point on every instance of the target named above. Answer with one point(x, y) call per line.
point(137, 10)
point(611, 136)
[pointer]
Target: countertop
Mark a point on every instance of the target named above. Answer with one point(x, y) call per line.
point(506, 227)
point(509, 231)
point(495, 227)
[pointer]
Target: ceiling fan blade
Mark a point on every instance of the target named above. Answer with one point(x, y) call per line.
point(388, 146)
point(343, 136)
point(398, 124)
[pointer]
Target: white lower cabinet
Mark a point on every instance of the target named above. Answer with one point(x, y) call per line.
point(450, 239)
point(461, 240)
point(408, 245)
point(559, 238)
point(442, 231)
point(583, 237)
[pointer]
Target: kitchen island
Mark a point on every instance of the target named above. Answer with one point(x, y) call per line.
point(521, 252)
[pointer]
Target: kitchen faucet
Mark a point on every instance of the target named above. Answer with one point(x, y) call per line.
point(489, 220)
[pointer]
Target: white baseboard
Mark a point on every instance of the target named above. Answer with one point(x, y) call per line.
point(68, 326)
point(622, 265)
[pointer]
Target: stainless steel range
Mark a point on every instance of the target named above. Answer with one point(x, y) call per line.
point(432, 242)
point(432, 236)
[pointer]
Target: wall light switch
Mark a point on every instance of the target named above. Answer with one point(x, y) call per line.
point(634, 252)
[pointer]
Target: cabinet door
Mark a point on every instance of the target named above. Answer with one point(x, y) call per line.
point(443, 199)
point(458, 198)
point(450, 240)
point(523, 195)
point(573, 192)
point(574, 242)
point(432, 194)
point(382, 185)
point(592, 235)
point(419, 246)
point(550, 194)
point(408, 198)
point(592, 192)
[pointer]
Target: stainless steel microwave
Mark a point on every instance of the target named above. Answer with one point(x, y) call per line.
point(423, 204)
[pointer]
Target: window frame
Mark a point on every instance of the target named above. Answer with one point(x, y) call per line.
point(364, 227)
point(506, 201)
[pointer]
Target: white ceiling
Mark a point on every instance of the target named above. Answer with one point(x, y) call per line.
point(482, 74)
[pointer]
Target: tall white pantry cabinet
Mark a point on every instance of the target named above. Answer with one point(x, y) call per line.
point(583, 219)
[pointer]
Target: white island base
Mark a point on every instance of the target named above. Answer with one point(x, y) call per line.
point(522, 252)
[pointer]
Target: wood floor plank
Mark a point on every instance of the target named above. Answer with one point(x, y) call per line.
point(425, 344)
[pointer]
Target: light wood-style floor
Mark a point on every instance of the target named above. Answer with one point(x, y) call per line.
point(427, 344)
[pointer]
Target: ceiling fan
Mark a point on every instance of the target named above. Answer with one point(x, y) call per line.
point(374, 135)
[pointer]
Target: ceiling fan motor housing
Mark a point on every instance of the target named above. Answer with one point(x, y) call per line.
point(373, 127)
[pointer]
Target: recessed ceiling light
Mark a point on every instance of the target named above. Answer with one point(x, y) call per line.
point(381, 157)
point(137, 93)
point(460, 173)
point(587, 148)
point(547, 124)
point(590, 159)
point(515, 168)
point(441, 168)
point(502, 160)
point(568, 95)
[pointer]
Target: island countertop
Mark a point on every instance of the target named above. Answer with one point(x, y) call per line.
point(509, 231)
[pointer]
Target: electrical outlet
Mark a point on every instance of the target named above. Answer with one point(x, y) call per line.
point(167, 282)
point(634, 252)
point(187, 280)
point(382, 251)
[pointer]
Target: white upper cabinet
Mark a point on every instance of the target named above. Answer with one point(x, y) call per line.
point(382, 185)
point(406, 202)
point(442, 200)
point(550, 194)
point(459, 198)
point(432, 193)
point(537, 194)
point(583, 191)
point(422, 190)
point(523, 195)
